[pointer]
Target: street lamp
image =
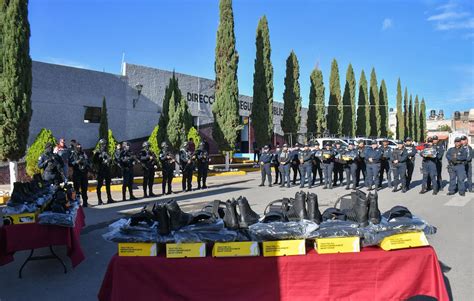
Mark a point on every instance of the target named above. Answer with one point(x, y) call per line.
point(139, 88)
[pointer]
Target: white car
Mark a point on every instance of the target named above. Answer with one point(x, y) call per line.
point(391, 143)
point(322, 141)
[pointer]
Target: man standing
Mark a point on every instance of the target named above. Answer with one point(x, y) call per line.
point(360, 160)
point(52, 165)
point(80, 166)
point(126, 162)
point(338, 164)
point(439, 148)
point(265, 168)
point(62, 151)
point(411, 151)
point(385, 163)
point(276, 164)
point(328, 164)
point(350, 165)
point(428, 167)
point(148, 161)
point(202, 160)
point(295, 163)
point(103, 161)
point(398, 163)
point(316, 164)
point(284, 162)
point(457, 157)
point(468, 165)
point(305, 157)
point(372, 161)
point(167, 166)
point(187, 167)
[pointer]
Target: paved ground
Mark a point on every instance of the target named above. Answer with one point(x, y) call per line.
point(44, 280)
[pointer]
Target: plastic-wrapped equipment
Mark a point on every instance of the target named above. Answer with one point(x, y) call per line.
point(282, 230)
point(121, 231)
point(67, 219)
point(205, 232)
point(337, 228)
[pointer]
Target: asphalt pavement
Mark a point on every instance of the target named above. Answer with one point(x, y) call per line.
point(45, 280)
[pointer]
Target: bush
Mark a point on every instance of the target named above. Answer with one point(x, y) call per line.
point(112, 143)
point(153, 140)
point(36, 150)
point(193, 133)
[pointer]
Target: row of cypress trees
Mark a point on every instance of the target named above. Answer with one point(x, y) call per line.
point(411, 119)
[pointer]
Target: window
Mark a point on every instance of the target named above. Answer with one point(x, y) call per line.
point(92, 114)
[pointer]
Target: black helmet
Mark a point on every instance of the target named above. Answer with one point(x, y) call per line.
point(102, 141)
point(408, 139)
point(164, 145)
point(146, 144)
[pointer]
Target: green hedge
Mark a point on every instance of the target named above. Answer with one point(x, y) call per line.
point(193, 133)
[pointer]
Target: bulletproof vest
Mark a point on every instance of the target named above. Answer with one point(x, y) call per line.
point(185, 155)
point(126, 159)
point(104, 158)
point(283, 156)
point(305, 156)
point(386, 152)
point(82, 162)
point(397, 154)
point(164, 160)
point(202, 156)
point(266, 158)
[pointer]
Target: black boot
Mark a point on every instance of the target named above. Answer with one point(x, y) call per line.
point(361, 209)
point(178, 218)
point(99, 197)
point(313, 208)
point(374, 212)
point(247, 216)
point(161, 215)
point(395, 188)
point(230, 217)
point(297, 211)
point(124, 193)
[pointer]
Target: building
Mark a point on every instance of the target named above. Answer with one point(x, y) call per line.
point(68, 101)
point(392, 121)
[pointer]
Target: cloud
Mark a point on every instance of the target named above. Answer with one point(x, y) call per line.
point(465, 24)
point(448, 16)
point(451, 16)
point(65, 62)
point(387, 23)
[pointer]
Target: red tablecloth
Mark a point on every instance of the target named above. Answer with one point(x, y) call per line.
point(372, 274)
point(15, 238)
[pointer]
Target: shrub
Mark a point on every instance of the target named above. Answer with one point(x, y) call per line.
point(36, 150)
point(153, 140)
point(193, 133)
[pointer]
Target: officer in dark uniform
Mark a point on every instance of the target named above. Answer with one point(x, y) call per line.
point(328, 164)
point(148, 161)
point(103, 161)
point(385, 163)
point(360, 160)
point(457, 157)
point(295, 163)
point(398, 164)
point(468, 165)
point(80, 168)
point(187, 166)
point(126, 162)
point(316, 164)
point(372, 161)
point(52, 166)
point(276, 164)
point(411, 151)
point(202, 161)
point(265, 166)
point(350, 165)
point(438, 161)
point(338, 164)
point(284, 161)
point(428, 166)
point(167, 161)
point(306, 158)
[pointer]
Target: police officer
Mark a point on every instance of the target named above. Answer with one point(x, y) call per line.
point(428, 167)
point(80, 168)
point(328, 164)
point(385, 163)
point(284, 160)
point(305, 157)
point(126, 162)
point(167, 166)
point(295, 163)
point(103, 161)
point(398, 164)
point(372, 161)
point(202, 162)
point(457, 157)
point(468, 165)
point(52, 165)
point(360, 160)
point(350, 165)
point(187, 166)
point(316, 168)
point(276, 164)
point(338, 164)
point(265, 168)
point(438, 161)
point(411, 151)
point(148, 161)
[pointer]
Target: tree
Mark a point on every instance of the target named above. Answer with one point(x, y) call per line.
point(444, 128)
point(262, 106)
point(400, 115)
point(410, 118)
point(177, 127)
point(193, 133)
point(422, 120)
point(291, 120)
point(104, 124)
point(374, 105)
point(363, 109)
point(315, 121)
point(173, 86)
point(226, 106)
point(334, 117)
point(416, 119)
point(405, 113)
point(153, 140)
point(36, 150)
point(348, 102)
point(383, 97)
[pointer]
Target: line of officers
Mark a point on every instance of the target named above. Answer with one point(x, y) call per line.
point(102, 162)
point(373, 162)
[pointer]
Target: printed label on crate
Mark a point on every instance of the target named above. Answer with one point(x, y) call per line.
point(17, 219)
point(235, 249)
point(137, 249)
point(284, 247)
point(404, 241)
point(332, 245)
point(186, 250)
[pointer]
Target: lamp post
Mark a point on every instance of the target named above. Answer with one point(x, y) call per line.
point(139, 88)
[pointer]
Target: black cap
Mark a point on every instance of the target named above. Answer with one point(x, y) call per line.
point(399, 142)
point(463, 137)
point(457, 139)
point(338, 142)
point(374, 142)
point(384, 140)
point(408, 139)
point(316, 143)
point(266, 146)
point(435, 137)
point(327, 143)
point(285, 145)
point(351, 142)
point(360, 141)
point(297, 144)
point(430, 139)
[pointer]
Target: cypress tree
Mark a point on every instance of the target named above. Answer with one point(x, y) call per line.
point(422, 120)
point(416, 119)
point(363, 109)
point(15, 111)
point(374, 105)
point(104, 124)
point(400, 116)
point(164, 117)
point(348, 102)
point(226, 106)
point(405, 114)
point(262, 106)
point(153, 140)
point(291, 120)
point(177, 126)
point(334, 117)
point(383, 109)
point(315, 121)
point(410, 118)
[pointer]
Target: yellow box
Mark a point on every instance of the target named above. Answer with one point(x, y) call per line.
point(18, 219)
point(137, 249)
point(4, 199)
point(332, 245)
point(284, 247)
point(186, 250)
point(236, 249)
point(404, 241)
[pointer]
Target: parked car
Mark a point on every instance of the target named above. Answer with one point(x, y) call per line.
point(322, 141)
point(391, 143)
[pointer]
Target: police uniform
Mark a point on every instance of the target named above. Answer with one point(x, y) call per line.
point(126, 162)
point(305, 156)
point(457, 157)
point(316, 165)
point(385, 165)
point(202, 162)
point(428, 167)
point(80, 168)
point(295, 163)
point(398, 164)
point(338, 165)
point(328, 166)
point(361, 167)
point(284, 160)
point(350, 166)
point(52, 166)
point(276, 166)
point(148, 161)
point(439, 165)
point(468, 164)
point(103, 161)
point(167, 167)
point(372, 161)
point(411, 151)
point(265, 166)
point(187, 167)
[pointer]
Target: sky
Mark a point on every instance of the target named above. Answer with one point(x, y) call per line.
point(428, 44)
